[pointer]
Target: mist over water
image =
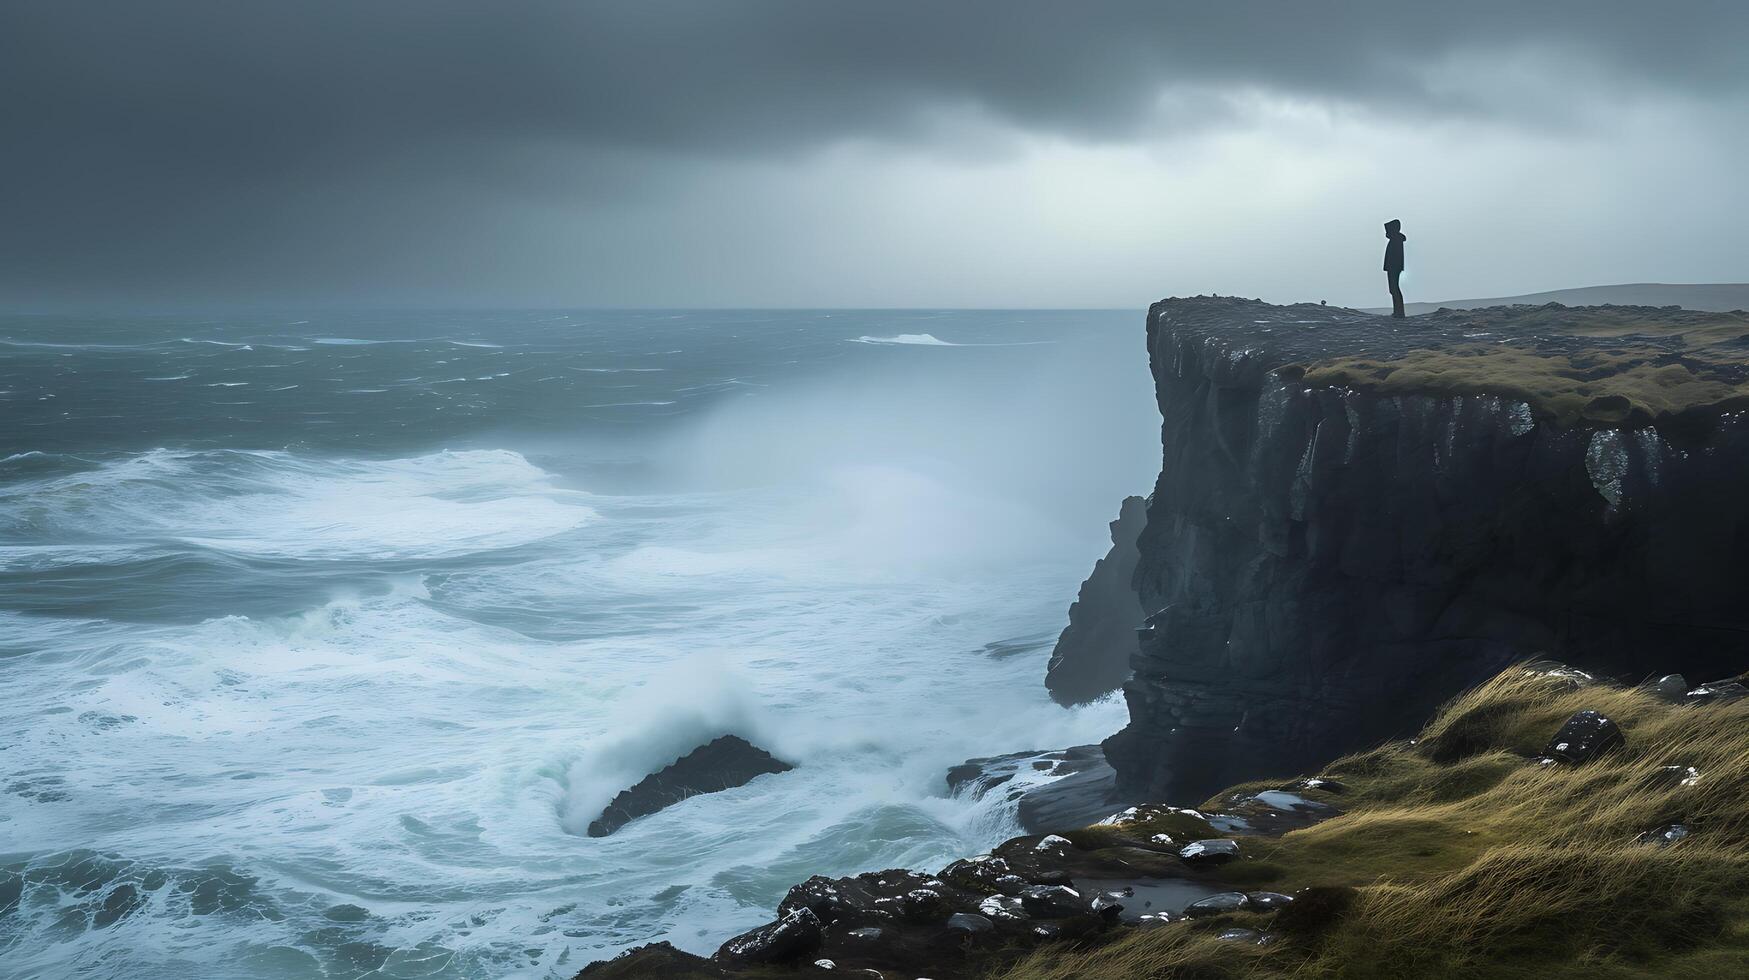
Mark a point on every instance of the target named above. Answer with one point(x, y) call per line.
point(322, 637)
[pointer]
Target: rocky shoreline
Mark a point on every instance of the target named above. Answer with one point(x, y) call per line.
point(1356, 521)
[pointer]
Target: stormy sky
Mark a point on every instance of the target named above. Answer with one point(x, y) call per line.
point(180, 153)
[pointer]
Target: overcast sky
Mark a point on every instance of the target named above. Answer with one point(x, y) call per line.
point(171, 153)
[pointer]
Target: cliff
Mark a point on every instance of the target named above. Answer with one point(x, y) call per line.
point(1092, 656)
point(1356, 518)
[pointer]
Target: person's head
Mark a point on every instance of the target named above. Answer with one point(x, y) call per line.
point(1392, 227)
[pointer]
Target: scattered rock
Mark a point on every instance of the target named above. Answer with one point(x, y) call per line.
point(1003, 907)
point(1218, 905)
point(790, 938)
point(1269, 901)
point(1569, 678)
point(1670, 687)
point(1717, 692)
point(1241, 936)
point(1584, 737)
point(969, 922)
point(1208, 853)
point(1052, 901)
point(1671, 777)
point(724, 763)
point(1154, 920)
point(1664, 836)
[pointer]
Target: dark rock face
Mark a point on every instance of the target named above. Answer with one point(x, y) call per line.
point(725, 763)
point(1584, 737)
point(1092, 656)
point(1322, 567)
point(1057, 790)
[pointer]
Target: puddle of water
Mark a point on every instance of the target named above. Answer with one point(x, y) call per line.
point(1149, 895)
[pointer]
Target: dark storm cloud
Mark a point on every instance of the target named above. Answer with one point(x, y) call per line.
point(247, 146)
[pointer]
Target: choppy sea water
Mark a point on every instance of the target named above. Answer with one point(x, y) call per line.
point(323, 636)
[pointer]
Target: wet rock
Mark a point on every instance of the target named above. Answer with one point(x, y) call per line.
point(1154, 920)
point(1664, 836)
point(985, 874)
point(1092, 656)
point(1241, 936)
point(969, 922)
point(721, 764)
point(1717, 692)
point(1671, 777)
point(791, 937)
point(1208, 853)
point(1052, 901)
point(657, 961)
point(1003, 907)
point(826, 964)
point(1670, 687)
point(867, 933)
point(1568, 678)
point(1268, 901)
point(1218, 905)
point(1272, 812)
point(1061, 789)
point(893, 894)
point(1584, 737)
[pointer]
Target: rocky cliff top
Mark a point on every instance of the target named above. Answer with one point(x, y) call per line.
point(1610, 366)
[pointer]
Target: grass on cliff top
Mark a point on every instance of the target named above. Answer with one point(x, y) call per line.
point(1463, 858)
point(1636, 369)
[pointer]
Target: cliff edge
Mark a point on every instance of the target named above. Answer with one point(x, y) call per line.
point(1358, 517)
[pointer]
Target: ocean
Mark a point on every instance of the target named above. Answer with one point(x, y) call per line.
point(324, 635)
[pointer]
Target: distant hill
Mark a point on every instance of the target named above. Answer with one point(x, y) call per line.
point(1712, 297)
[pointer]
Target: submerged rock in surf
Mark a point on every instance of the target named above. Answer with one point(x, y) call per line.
point(725, 763)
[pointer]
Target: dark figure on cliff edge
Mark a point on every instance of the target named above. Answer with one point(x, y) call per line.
point(1394, 239)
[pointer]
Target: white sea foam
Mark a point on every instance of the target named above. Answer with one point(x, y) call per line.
point(916, 339)
point(280, 504)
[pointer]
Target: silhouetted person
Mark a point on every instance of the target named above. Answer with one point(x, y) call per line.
point(1394, 239)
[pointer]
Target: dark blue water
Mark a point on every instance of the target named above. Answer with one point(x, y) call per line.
point(321, 636)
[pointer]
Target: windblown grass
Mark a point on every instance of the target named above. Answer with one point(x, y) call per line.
point(1468, 859)
point(1638, 366)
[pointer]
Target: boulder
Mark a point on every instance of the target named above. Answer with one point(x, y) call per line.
point(1242, 936)
point(970, 922)
point(1219, 904)
point(1664, 836)
point(1268, 901)
point(1670, 687)
point(724, 763)
point(1052, 901)
point(1671, 777)
point(1584, 737)
point(1208, 853)
point(1059, 789)
point(1718, 692)
point(790, 938)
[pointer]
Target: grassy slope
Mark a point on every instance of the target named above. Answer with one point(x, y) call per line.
point(1634, 367)
point(1468, 860)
